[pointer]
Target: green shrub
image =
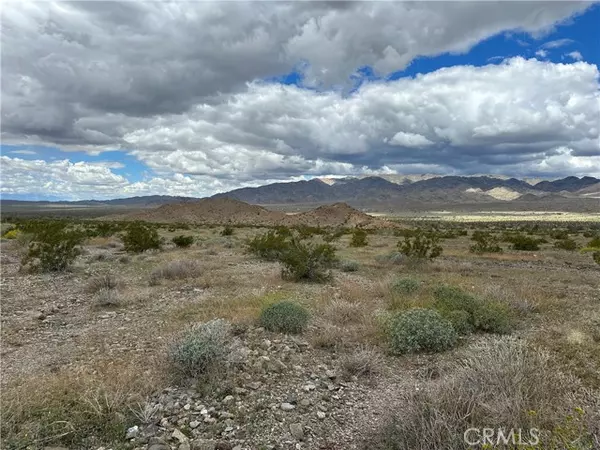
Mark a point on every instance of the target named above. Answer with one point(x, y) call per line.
point(594, 243)
point(183, 241)
point(269, 246)
point(559, 235)
point(421, 246)
point(566, 244)
point(493, 317)
point(311, 262)
point(485, 243)
point(525, 243)
point(138, 238)
point(451, 298)
point(284, 317)
point(53, 247)
point(201, 348)
point(460, 320)
point(11, 234)
point(596, 257)
point(359, 238)
point(419, 330)
point(227, 231)
point(349, 266)
point(406, 286)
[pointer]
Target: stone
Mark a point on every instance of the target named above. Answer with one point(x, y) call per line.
point(240, 391)
point(194, 424)
point(228, 399)
point(254, 385)
point(321, 415)
point(179, 436)
point(223, 445)
point(297, 431)
point(203, 444)
point(184, 446)
point(309, 387)
point(287, 407)
point(132, 432)
point(305, 402)
point(157, 444)
point(330, 374)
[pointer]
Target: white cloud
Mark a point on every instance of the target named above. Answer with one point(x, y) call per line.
point(575, 56)
point(541, 53)
point(23, 152)
point(558, 43)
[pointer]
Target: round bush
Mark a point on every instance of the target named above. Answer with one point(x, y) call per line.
point(406, 286)
point(349, 266)
point(419, 330)
point(493, 318)
point(451, 298)
point(284, 317)
point(460, 320)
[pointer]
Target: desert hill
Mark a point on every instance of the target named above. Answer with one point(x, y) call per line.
point(225, 210)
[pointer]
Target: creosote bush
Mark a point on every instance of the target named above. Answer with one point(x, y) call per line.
point(525, 243)
point(307, 262)
point(183, 241)
point(270, 245)
point(138, 238)
point(227, 231)
point(485, 243)
point(53, 247)
point(594, 243)
point(284, 317)
point(203, 347)
point(359, 238)
point(420, 246)
point(421, 330)
point(566, 244)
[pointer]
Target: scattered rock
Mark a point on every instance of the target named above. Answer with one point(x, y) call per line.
point(321, 415)
point(203, 444)
point(194, 424)
point(157, 444)
point(287, 407)
point(297, 431)
point(132, 432)
point(179, 436)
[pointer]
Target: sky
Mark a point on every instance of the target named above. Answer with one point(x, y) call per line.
point(118, 99)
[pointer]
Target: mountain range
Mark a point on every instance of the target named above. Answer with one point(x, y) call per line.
point(390, 192)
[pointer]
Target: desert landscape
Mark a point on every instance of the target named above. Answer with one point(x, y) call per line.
point(222, 325)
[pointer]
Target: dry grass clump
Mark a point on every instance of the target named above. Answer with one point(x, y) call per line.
point(175, 270)
point(343, 313)
point(104, 282)
point(500, 383)
point(79, 408)
point(364, 361)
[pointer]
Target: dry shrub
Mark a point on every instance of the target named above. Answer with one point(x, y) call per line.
point(511, 298)
point(107, 298)
point(343, 313)
point(80, 408)
point(175, 270)
point(104, 282)
point(500, 383)
point(363, 361)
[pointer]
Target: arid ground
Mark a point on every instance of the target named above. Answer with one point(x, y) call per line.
point(85, 352)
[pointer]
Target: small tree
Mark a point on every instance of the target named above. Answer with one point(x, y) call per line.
point(139, 238)
point(359, 238)
point(421, 246)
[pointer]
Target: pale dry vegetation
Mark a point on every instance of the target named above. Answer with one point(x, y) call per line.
point(85, 348)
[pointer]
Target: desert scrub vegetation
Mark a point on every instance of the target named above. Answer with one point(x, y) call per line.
point(405, 286)
point(307, 261)
point(524, 243)
point(484, 243)
point(363, 361)
point(77, 407)
point(349, 266)
point(52, 247)
point(566, 244)
point(183, 241)
point(227, 231)
point(499, 383)
point(138, 238)
point(420, 330)
point(359, 238)
point(420, 245)
point(270, 245)
point(179, 269)
point(202, 348)
point(284, 317)
point(484, 315)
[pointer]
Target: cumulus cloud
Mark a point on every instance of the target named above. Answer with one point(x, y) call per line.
point(459, 117)
point(180, 86)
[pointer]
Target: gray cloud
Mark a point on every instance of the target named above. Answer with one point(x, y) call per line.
point(178, 84)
